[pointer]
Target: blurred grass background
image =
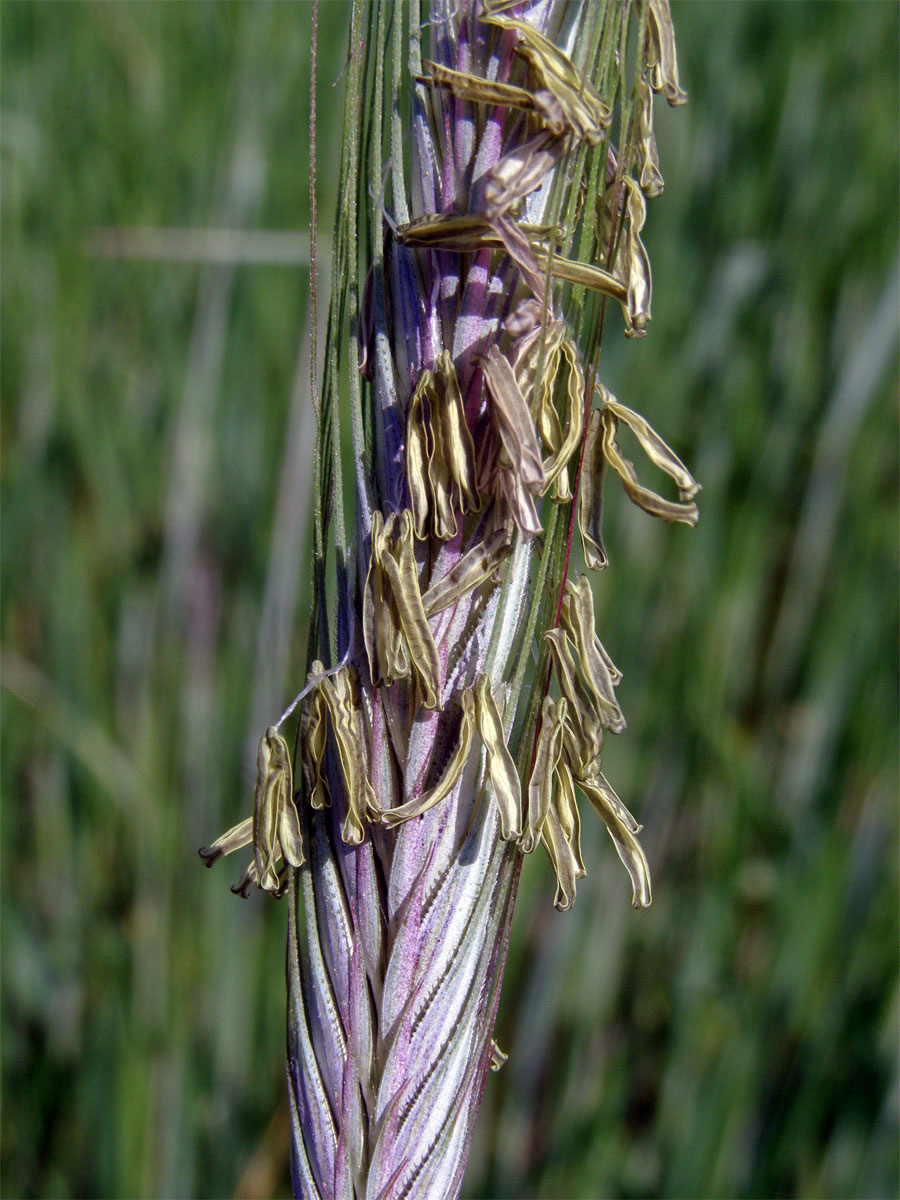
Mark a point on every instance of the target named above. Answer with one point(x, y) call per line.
point(738, 1039)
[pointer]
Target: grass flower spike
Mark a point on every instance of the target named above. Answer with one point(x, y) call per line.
point(496, 158)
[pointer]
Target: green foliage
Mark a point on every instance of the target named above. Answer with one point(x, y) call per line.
point(739, 1038)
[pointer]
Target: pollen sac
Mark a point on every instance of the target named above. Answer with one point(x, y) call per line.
point(525, 244)
point(662, 60)
point(447, 231)
point(440, 455)
point(249, 880)
point(340, 693)
point(480, 714)
point(622, 828)
point(399, 642)
point(561, 837)
point(514, 241)
point(633, 263)
point(649, 174)
point(474, 89)
point(498, 1058)
point(598, 279)
point(567, 813)
point(535, 351)
point(514, 506)
point(521, 453)
point(469, 572)
point(684, 510)
point(276, 825)
point(575, 104)
point(587, 684)
point(563, 446)
point(590, 496)
point(236, 838)
point(525, 318)
point(564, 101)
point(313, 740)
point(536, 358)
point(274, 828)
point(600, 673)
point(501, 769)
point(522, 171)
point(451, 774)
point(540, 789)
point(583, 730)
point(386, 649)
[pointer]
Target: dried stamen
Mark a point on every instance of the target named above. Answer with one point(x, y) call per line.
point(313, 740)
point(565, 446)
point(475, 89)
point(236, 838)
point(513, 420)
point(561, 836)
point(276, 825)
point(540, 788)
point(340, 693)
point(402, 572)
point(469, 572)
point(598, 669)
point(583, 732)
point(452, 771)
point(517, 246)
point(662, 60)
point(659, 453)
point(584, 275)
point(479, 712)
point(440, 455)
point(650, 176)
point(582, 108)
point(521, 172)
point(514, 505)
point(633, 263)
point(622, 828)
point(590, 499)
point(654, 447)
point(417, 455)
point(501, 768)
point(471, 232)
point(274, 828)
point(498, 1058)
point(397, 635)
